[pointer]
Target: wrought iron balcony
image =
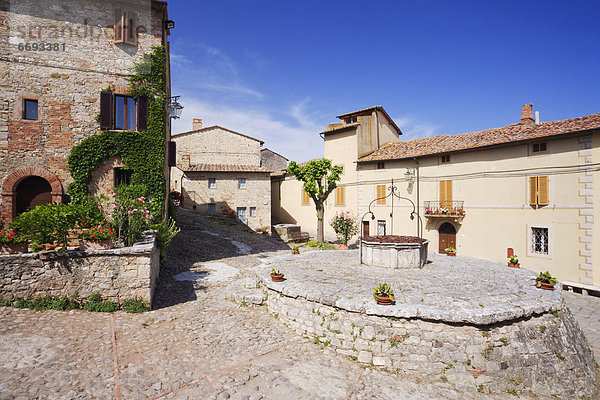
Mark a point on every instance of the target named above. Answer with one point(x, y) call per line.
point(444, 209)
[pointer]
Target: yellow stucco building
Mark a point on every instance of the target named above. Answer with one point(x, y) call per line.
point(530, 186)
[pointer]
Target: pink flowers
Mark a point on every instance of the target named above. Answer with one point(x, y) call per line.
point(142, 199)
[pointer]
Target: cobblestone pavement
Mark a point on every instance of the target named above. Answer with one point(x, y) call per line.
point(195, 344)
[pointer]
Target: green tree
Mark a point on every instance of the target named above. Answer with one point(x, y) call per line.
point(319, 177)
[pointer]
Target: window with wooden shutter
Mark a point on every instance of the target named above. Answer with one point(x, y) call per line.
point(446, 194)
point(305, 197)
point(339, 196)
point(125, 27)
point(142, 113)
point(539, 191)
point(106, 110)
point(171, 153)
point(380, 194)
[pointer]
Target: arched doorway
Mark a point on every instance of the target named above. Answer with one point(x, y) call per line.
point(25, 188)
point(31, 192)
point(447, 236)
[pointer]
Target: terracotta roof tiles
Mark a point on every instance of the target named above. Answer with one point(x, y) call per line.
point(489, 137)
point(223, 168)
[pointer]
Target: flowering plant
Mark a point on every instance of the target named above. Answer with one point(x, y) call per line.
point(445, 211)
point(98, 233)
point(9, 236)
point(345, 225)
point(131, 213)
point(229, 212)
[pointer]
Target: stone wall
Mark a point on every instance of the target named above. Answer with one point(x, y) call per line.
point(217, 145)
point(257, 194)
point(543, 355)
point(272, 161)
point(117, 274)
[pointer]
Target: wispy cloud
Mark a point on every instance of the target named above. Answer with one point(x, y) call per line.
point(209, 71)
point(295, 141)
point(413, 128)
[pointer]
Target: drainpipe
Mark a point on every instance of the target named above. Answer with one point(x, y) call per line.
point(377, 122)
point(418, 203)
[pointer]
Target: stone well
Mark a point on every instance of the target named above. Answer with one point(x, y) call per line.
point(477, 325)
point(394, 251)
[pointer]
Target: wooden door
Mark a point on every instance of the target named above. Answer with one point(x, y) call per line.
point(447, 237)
point(365, 228)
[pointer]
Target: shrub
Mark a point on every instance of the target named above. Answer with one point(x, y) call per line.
point(130, 212)
point(135, 306)
point(345, 225)
point(164, 234)
point(103, 306)
point(5, 303)
point(313, 243)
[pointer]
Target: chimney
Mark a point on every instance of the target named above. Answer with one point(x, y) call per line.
point(185, 162)
point(527, 114)
point(196, 124)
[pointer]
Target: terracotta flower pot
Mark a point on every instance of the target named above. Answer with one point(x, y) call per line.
point(384, 300)
point(14, 248)
point(97, 244)
point(451, 253)
point(342, 247)
point(517, 265)
point(277, 277)
point(544, 285)
point(295, 252)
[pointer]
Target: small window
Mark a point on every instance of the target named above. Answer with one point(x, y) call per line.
point(539, 240)
point(537, 148)
point(380, 227)
point(253, 211)
point(380, 194)
point(125, 27)
point(445, 159)
point(380, 165)
point(242, 183)
point(305, 197)
point(211, 207)
point(352, 120)
point(122, 176)
point(30, 109)
point(124, 112)
point(212, 183)
point(339, 196)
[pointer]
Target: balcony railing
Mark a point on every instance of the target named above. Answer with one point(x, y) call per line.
point(451, 209)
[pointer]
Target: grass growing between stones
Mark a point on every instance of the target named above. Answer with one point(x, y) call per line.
point(94, 304)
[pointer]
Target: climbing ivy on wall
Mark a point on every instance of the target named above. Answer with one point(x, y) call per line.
point(142, 152)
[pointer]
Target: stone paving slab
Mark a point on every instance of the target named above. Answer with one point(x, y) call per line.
point(448, 289)
point(194, 345)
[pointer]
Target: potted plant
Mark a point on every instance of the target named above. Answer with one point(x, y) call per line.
point(11, 242)
point(450, 251)
point(295, 250)
point(514, 261)
point(345, 225)
point(97, 238)
point(276, 275)
point(384, 294)
point(545, 281)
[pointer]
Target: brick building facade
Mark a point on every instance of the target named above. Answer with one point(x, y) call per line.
point(56, 60)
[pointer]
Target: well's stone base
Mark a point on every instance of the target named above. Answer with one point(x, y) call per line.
point(543, 355)
point(394, 255)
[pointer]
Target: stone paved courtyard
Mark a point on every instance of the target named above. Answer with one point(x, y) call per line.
point(196, 344)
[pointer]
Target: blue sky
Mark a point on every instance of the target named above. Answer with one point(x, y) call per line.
point(281, 70)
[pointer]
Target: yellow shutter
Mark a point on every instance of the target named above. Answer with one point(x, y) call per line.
point(446, 194)
point(533, 190)
point(305, 197)
point(339, 196)
point(380, 194)
point(543, 198)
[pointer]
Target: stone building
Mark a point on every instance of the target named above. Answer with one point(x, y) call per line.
point(530, 186)
point(273, 161)
point(57, 57)
point(218, 169)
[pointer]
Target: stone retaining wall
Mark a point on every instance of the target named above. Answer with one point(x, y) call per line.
point(544, 355)
point(117, 274)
